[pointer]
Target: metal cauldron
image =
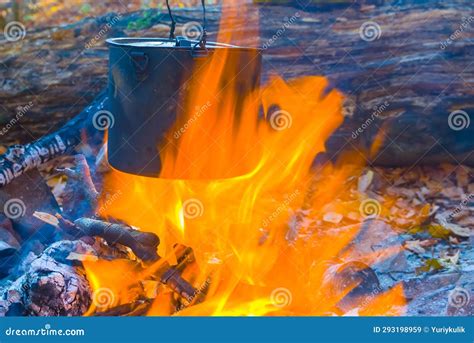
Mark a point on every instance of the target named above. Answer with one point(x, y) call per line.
point(145, 90)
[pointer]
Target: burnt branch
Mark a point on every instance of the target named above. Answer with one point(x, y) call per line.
point(143, 244)
point(20, 158)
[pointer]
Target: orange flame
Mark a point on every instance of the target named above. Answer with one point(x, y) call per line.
point(254, 252)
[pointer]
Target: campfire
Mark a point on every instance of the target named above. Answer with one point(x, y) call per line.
point(247, 216)
point(238, 191)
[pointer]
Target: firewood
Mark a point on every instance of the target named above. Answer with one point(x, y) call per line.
point(172, 278)
point(171, 275)
point(51, 285)
point(20, 158)
point(143, 244)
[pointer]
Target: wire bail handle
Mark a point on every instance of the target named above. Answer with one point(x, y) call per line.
point(203, 38)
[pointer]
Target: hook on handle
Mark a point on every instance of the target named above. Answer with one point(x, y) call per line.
point(173, 22)
point(203, 38)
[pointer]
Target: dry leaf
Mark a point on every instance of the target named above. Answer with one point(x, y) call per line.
point(454, 228)
point(430, 265)
point(458, 230)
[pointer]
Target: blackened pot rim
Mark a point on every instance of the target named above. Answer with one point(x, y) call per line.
point(127, 42)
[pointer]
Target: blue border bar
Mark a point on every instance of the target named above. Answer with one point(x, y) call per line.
point(252, 329)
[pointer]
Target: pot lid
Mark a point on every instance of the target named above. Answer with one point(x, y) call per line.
point(179, 42)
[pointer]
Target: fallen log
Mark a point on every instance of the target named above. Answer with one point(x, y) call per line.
point(19, 159)
point(408, 78)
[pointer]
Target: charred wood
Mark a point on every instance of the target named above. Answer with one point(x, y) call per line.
point(21, 158)
point(50, 284)
point(143, 244)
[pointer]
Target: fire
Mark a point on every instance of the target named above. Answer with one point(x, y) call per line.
point(239, 191)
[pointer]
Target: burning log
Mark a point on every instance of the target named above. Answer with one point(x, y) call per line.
point(171, 275)
point(172, 278)
point(143, 244)
point(19, 159)
point(146, 287)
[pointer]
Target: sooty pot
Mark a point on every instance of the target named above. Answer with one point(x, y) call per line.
point(146, 77)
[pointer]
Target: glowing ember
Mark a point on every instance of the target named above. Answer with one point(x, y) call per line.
point(255, 252)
